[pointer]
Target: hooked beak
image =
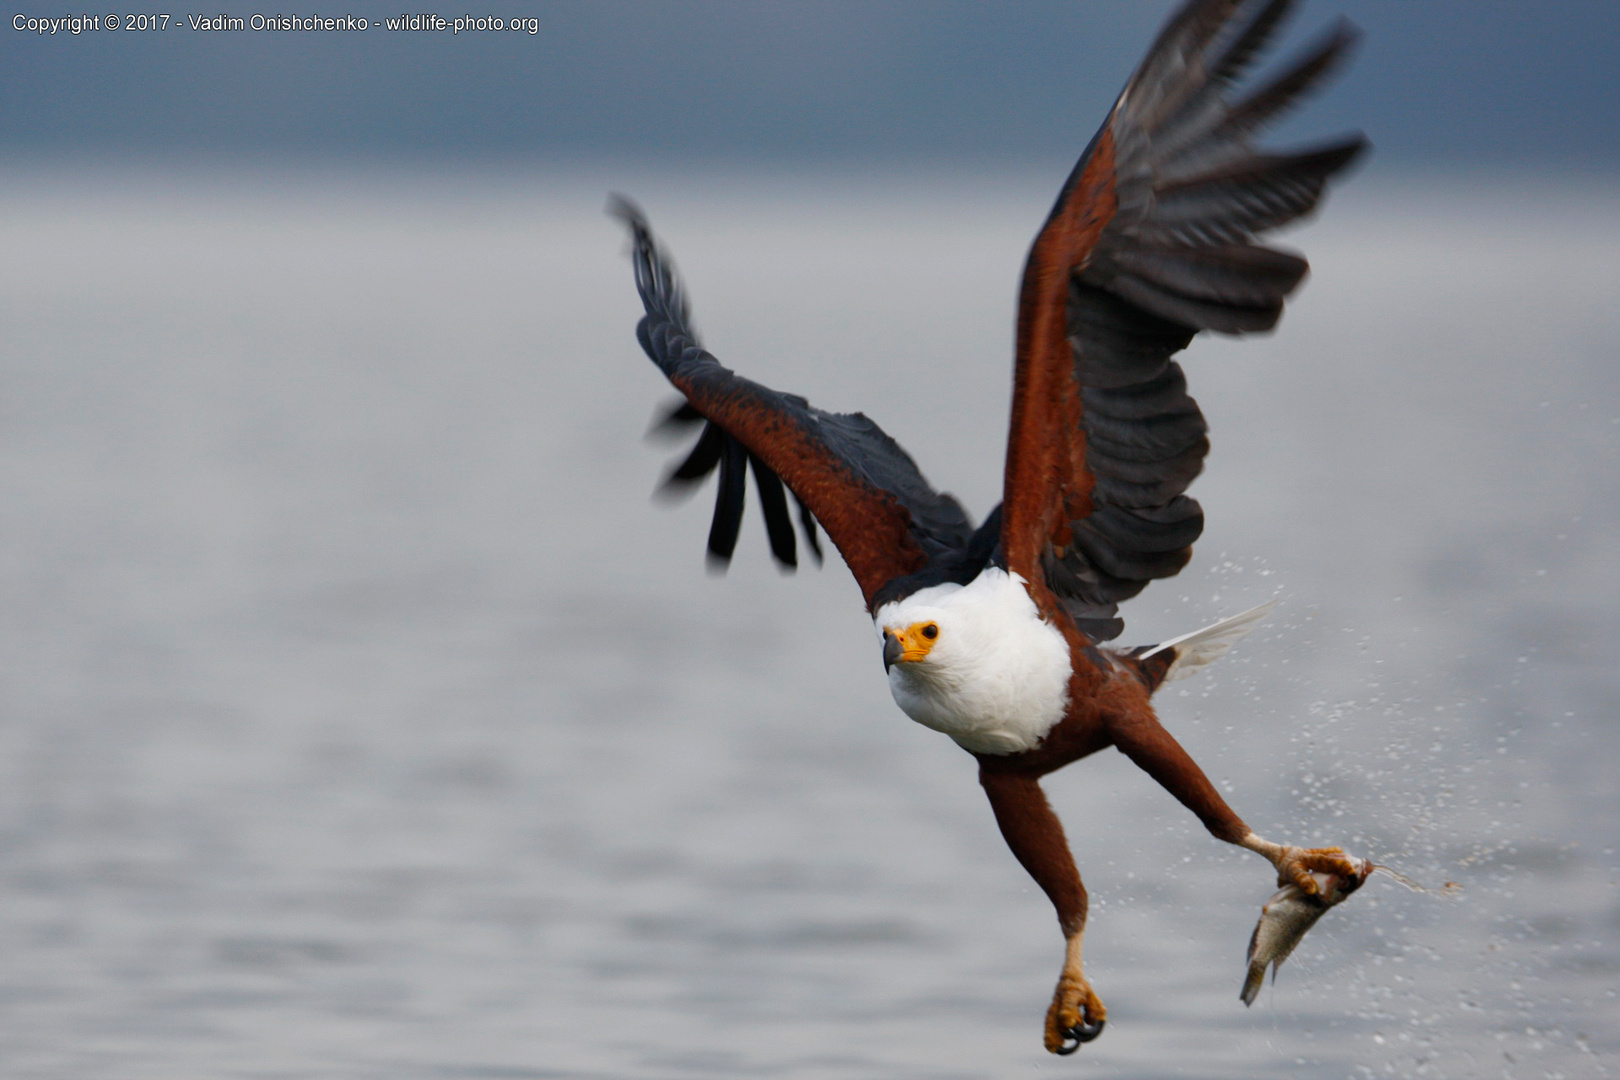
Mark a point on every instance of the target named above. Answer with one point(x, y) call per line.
point(892, 650)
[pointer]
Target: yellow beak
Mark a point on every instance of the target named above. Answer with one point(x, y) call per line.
point(909, 645)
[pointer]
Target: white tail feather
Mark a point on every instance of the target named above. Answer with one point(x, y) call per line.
point(1201, 648)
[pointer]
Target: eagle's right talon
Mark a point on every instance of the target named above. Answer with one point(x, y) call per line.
point(1297, 866)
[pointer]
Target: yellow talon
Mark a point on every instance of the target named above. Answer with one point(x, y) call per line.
point(1076, 1017)
point(1298, 865)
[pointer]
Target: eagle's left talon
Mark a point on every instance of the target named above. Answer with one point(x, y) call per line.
point(1076, 1017)
point(1078, 1036)
point(1084, 1033)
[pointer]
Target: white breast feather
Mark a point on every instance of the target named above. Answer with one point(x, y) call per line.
point(997, 679)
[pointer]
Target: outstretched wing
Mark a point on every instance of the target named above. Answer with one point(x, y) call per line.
point(1151, 241)
point(866, 492)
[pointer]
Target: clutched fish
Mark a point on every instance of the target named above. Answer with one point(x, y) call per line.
point(1289, 915)
point(1291, 912)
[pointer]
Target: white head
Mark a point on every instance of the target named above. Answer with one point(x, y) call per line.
point(976, 662)
point(951, 628)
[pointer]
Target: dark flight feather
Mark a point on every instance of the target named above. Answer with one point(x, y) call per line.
point(845, 473)
point(773, 504)
point(1152, 240)
point(728, 503)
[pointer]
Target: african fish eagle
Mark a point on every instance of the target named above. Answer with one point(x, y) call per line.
point(993, 634)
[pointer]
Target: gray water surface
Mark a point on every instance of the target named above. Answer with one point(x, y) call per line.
point(360, 717)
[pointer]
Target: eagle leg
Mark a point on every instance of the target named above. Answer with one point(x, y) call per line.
point(1035, 835)
point(1138, 733)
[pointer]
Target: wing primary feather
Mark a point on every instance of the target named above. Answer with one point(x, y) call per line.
point(1246, 196)
point(845, 473)
point(673, 420)
point(1292, 86)
point(728, 504)
point(698, 464)
point(1156, 231)
point(1202, 108)
point(660, 290)
point(773, 503)
point(1173, 68)
point(1236, 58)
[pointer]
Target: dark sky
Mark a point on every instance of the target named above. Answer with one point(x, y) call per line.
point(1528, 84)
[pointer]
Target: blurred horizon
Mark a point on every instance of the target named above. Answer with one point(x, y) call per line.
point(1441, 86)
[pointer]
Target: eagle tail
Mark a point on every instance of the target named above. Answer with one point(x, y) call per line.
point(1190, 653)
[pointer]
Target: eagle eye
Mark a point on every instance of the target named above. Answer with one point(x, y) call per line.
point(930, 631)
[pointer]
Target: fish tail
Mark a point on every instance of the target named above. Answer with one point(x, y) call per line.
point(1255, 980)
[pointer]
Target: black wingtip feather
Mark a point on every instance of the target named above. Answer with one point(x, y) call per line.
point(884, 482)
point(714, 450)
point(773, 504)
point(656, 280)
point(703, 459)
point(673, 420)
point(1247, 196)
point(728, 505)
point(1293, 85)
point(1248, 44)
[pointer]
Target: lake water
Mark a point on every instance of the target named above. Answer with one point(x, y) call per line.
point(361, 717)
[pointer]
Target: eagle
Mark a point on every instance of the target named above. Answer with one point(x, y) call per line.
point(994, 634)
